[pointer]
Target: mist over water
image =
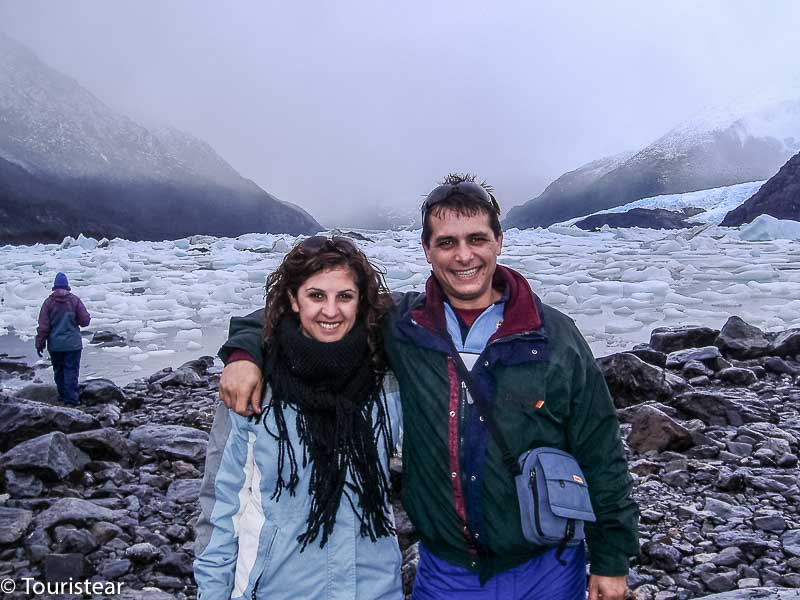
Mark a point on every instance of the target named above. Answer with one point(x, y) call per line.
point(348, 107)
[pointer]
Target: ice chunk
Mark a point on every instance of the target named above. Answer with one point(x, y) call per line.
point(189, 334)
point(766, 227)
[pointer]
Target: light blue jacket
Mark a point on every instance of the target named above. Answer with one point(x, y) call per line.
point(247, 542)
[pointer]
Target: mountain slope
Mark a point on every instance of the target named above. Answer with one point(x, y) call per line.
point(570, 185)
point(92, 169)
point(718, 148)
point(778, 197)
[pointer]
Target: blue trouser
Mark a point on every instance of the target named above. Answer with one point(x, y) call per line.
point(543, 578)
point(66, 366)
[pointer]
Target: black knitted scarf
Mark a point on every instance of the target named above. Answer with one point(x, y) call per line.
point(335, 393)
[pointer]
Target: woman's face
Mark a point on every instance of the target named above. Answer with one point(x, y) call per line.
point(327, 304)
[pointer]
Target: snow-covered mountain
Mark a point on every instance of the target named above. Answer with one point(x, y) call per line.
point(717, 148)
point(778, 197)
point(100, 166)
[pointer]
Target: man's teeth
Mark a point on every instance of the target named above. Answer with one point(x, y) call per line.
point(467, 273)
point(329, 325)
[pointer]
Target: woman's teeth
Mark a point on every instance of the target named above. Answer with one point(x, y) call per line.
point(329, 325)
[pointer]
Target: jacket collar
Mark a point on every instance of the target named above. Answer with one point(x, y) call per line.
point(521, 314)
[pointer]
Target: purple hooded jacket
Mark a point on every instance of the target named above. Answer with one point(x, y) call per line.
point(60, 319)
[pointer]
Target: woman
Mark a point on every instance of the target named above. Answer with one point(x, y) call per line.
point(295, 503)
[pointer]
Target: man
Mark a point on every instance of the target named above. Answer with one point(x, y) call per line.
point(544, 388)
point(60, 319)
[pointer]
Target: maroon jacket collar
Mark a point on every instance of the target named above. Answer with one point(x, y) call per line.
point(521, 313)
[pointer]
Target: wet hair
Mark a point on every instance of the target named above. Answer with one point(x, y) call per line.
point(462, 205)
point(306, 260)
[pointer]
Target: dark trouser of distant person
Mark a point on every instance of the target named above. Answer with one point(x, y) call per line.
point(66, 366)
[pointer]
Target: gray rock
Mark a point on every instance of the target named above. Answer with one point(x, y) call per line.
point(694, 368)
point(184, 490)
point(76, 511)
point(21, 420)
point(648, 355)
point(671, 339)
point(172, 441)
point(101, 391)
point(199, 365)
point(733, 407)
point(653, 430)
point(105, 336)
point(189, 374)
point(727, 511)
point(773, 364)
point(737, 376)
point(739, 448)
point(113, 569)
point(12, 367)
point(770, 521)
point(762, 593)
point(742, 340)
point(103, 444)
point(37, 545)
point(681, 357)
point(14, 523)
point(176, 563)
point(720, 582)
point(51, 457)
point(23, 485)
point(663, 556)
point(38, 392)
point(69, 539)
point(786, 343)
point(64, 567)
point(178, 533)
point(144, 595)
point(744, 540)
point(104, 531)
point(181, 377)
point(729, 557)
point(790, 541)
point(143, 553)
point(632, 381)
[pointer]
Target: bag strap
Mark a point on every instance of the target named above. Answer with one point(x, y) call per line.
point(509, 460)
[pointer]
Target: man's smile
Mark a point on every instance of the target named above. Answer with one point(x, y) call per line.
point(465, 273)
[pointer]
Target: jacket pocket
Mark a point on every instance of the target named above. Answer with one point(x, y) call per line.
point(253, 561)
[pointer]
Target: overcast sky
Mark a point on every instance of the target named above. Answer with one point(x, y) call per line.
point(343, 104)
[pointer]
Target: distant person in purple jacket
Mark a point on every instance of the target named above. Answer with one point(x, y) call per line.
point(60, 319)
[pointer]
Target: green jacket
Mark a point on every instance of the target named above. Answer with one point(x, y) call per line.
point(540, 376)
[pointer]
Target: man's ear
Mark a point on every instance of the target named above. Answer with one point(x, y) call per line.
point(425, 249)
point(499, 243)
point(293, 302)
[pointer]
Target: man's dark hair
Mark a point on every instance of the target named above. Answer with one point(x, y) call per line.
point(463, 205)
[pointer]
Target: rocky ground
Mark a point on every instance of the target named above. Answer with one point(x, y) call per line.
point(711, 419)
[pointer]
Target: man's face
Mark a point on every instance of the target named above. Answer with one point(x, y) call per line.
point(463, 255)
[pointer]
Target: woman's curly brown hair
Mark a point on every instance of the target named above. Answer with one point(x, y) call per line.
point(313, 255)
